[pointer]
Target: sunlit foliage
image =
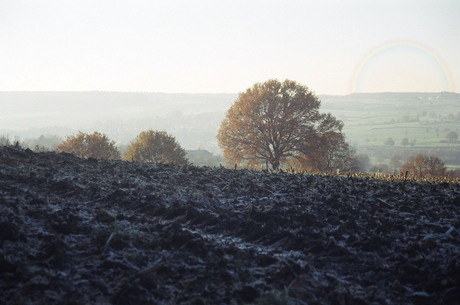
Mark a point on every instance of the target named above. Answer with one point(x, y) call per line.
point(96, 145)
point(155, 146)
point(280, 124)
point(422, 166)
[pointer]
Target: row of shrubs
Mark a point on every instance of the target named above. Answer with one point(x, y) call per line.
point(160, 147)
point(148, 146)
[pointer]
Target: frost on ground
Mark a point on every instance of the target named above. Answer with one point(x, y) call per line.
point(76, 231)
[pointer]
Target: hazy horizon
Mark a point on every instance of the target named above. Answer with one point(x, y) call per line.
point(208, 93)
point(193, 118)
point(121, 53)
point(197, 46)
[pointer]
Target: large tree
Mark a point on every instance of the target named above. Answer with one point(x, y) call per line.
point(96, 145)
point(155, 146)
point(277, 122)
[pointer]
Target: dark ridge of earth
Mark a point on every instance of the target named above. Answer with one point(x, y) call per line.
point(76, 231)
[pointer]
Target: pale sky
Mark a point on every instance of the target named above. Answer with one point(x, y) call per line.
point(198, 46)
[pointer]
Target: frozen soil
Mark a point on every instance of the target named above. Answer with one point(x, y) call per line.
point(76, 231)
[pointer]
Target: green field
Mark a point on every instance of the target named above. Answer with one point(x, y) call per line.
point(372, 130)
point(424, 119)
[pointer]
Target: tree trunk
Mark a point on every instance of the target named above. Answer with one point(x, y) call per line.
point(275, 164)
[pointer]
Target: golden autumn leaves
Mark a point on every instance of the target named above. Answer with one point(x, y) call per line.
point(155, 146)
point(96, 145)
point(149, 146)
point(279, 124)
point(276, 124)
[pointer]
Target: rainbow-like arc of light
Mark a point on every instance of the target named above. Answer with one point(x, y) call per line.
point(413, 44)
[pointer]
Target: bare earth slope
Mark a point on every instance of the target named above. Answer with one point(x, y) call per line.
point(78, 231)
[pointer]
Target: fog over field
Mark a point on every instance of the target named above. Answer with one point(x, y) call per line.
point(194, 119)
point(70, 66)
point(114, 189)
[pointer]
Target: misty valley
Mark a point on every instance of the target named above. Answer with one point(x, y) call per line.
point(126, 198)
point(229, 152)
point(385, 129)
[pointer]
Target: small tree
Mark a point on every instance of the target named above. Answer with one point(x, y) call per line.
point(389, 142)
point(452, 137)
point(405, 142)
point(96, 145)
point(435, 167)
point(155, 146)
point(422, 166)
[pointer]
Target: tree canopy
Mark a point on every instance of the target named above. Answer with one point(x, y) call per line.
point(389, 141)
point(155, 146)
point(96, 145)
point(422, 166)
point(279, 123)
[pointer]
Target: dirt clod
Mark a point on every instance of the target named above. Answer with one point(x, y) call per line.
point(76, 231)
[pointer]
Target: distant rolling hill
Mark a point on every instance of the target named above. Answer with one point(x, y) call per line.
point(370, 118)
